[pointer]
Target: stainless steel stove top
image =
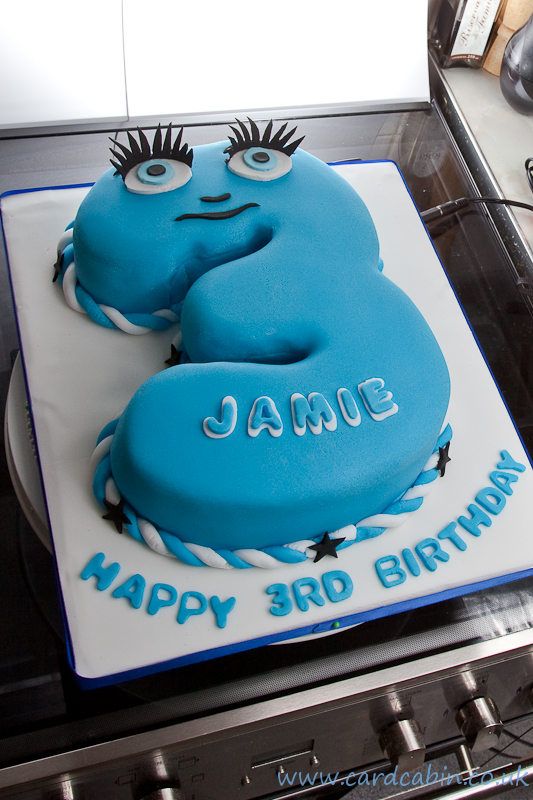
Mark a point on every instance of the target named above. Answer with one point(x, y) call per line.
point(233, 727)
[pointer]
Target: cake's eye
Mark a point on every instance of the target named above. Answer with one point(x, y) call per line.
point(260, 164)
point(157, 175)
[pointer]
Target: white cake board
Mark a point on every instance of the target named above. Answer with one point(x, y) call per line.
point(26, 477)
point(80, 375)
point(21, 456)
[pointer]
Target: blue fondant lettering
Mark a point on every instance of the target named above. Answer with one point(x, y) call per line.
point(477, 518)
point(332, 592)
point(313, 411)
point(492, 500)
point(410, 562)
point(503, 480)
point(508, 462)
point(392, 575)
point(377, 399)
point(450, 533)
point(132, 590)
point(219, 429)
point(429, 552)
point(264, 416)
point(186, 611)
point(348, 407)
point(104, 575)
point(281, 601)
point(221, 609)
point(162, 595)
point(302, 600)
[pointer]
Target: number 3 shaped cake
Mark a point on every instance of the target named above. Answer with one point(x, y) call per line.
point(305, 412)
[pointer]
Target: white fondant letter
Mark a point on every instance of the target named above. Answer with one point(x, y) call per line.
point(264, 415)
point(314, 411)
point(377, 399)
point(348, 407)
point(219, 429)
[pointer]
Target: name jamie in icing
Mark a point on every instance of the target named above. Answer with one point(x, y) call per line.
point(313, 412)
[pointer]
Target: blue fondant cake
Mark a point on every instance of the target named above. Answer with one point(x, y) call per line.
point(311, 393)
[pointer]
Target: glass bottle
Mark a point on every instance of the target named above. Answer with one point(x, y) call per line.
point(516, 76)
point(463, 31)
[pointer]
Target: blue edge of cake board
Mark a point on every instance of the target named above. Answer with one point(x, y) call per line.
point(353, 619)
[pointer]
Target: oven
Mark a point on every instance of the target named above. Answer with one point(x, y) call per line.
point(444, 692)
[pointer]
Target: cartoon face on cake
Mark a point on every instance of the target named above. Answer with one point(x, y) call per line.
point(314, 392)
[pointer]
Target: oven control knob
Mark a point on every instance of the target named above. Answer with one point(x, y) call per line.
point(63, 792)
point(164, 793)
point(403, 744)
point(480, 723)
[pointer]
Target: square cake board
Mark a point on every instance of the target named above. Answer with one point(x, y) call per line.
point(80, 375)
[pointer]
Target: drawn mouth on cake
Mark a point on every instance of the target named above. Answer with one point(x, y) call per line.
point(228, 214)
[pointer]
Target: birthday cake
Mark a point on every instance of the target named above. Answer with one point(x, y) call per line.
point(295, 445)
point(303, 409)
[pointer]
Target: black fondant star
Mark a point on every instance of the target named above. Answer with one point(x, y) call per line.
point(326, 547)
point(175, 356)
point(444, 459)
point(57, 267)
point(116, 514)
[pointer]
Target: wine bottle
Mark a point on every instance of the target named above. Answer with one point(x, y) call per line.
point(463, 31)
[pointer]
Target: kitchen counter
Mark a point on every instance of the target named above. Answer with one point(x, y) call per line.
point(504, 137)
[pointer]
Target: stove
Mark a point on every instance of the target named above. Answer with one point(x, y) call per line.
point(453, 677)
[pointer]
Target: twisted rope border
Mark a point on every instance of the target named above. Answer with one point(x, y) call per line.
point(196, 555)
point(81, 301)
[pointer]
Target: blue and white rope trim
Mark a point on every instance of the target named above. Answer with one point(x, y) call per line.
point(269, 557)
point(80, 300)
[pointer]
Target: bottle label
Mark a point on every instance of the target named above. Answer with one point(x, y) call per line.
point(475, 27)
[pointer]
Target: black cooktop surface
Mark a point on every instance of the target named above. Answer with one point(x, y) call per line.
point(42, 710)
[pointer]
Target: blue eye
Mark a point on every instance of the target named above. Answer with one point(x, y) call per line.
point(155, 172)
point(260, 164)
point(157, 175)
point(260, 159)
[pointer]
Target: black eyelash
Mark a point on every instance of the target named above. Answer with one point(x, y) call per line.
point(245, 138)
point(140, 151)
